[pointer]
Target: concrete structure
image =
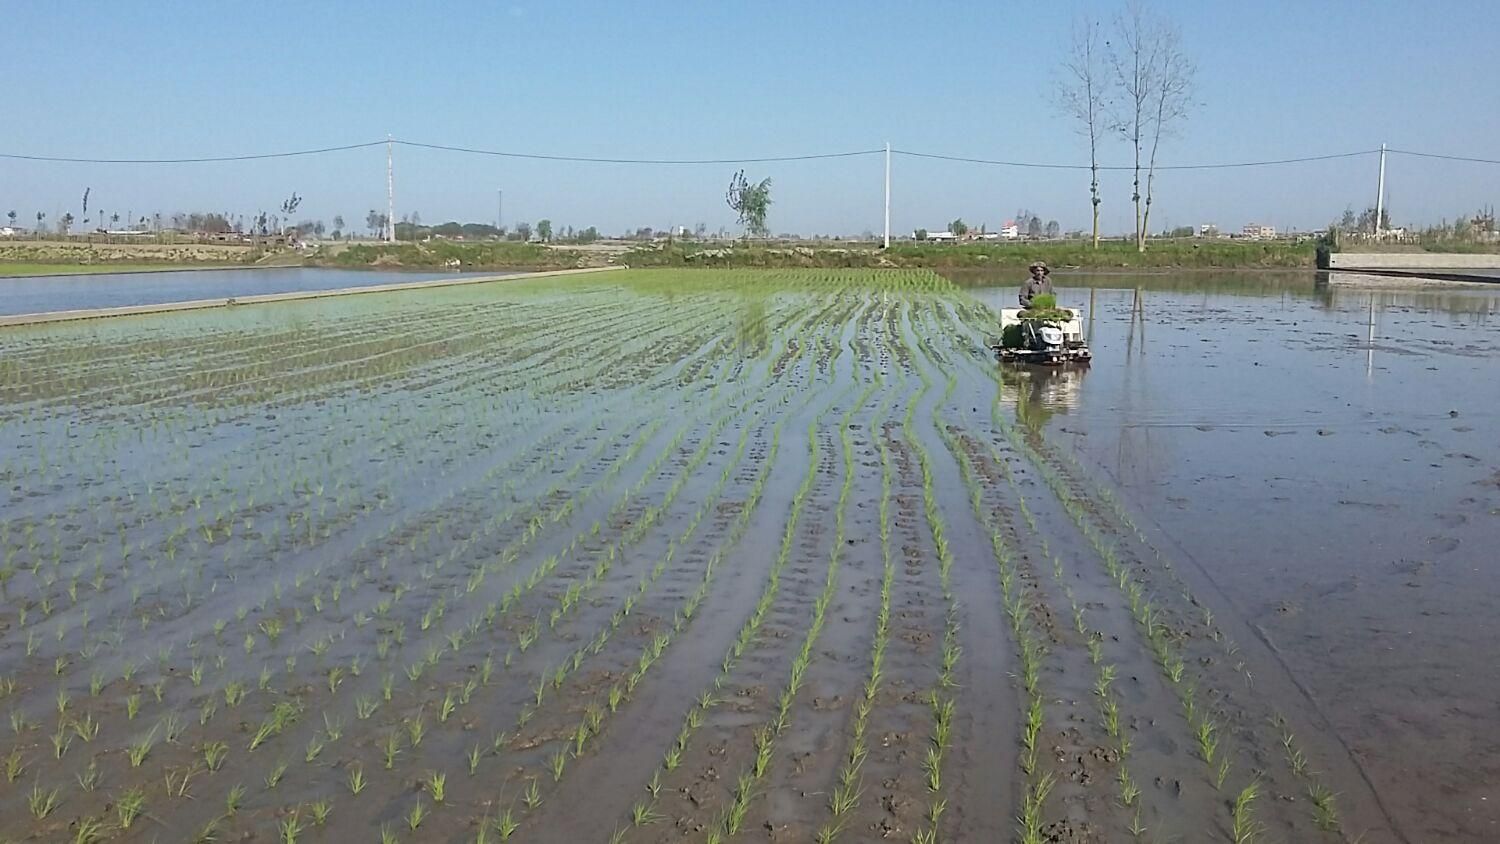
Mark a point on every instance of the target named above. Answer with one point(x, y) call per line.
point(1440, 265)
point(1256, 231)
point(1010, 231)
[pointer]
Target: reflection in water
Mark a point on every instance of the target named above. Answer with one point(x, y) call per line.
point(1039, 392)
point(1137, 322)
point(751, 332)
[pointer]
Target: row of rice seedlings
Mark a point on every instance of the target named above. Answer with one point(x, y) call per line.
point(1128, 792)
point(449, 704)
point(1203, 725)
point(315, 743)
point(1031, 649)
point(732, 820)
point(847, 794)
point(594, 716)
point(573, 595)
point(1322, 799)
point(1039, 783)
point(696, 716)
point(620, 692)
point(414, 728)
point(941, 698)
point(645, 812)
point(195, 672)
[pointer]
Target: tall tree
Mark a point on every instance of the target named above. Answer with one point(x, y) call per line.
point(523, 232)
point(11, 215)
point(1082, 94)
point(374, 223)
point(1054, 229)
point(544, 230)
point(1155, 80)
point(751, 202)
point(958, 228)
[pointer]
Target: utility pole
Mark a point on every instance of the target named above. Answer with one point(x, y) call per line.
point(499, 211)
point(1380, 192)
point(390, 191)
point(887, 194)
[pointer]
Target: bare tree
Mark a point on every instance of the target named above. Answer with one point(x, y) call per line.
point(1082, 95)
point(1155, 80)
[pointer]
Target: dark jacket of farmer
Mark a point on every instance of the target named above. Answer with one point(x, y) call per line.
point(1039, 284)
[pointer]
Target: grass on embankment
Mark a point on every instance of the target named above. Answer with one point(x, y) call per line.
point(1185, 253)
point(440, 254)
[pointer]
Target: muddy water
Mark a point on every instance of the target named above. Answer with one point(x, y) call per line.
point(1325, 459)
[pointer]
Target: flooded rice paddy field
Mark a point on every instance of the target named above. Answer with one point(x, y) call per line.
point(702, 556)
point(40, 294)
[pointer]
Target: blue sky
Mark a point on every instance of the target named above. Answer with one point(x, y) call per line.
point(720, 80)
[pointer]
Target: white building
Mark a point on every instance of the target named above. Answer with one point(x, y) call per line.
point(943, 236)
point(1256, 231)
point(1010, 231)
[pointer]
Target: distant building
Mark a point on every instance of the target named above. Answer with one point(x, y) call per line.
point(944, 236)
point(1010, 231)
point(1208, 230)
point(11, 231)
point(1256, 231)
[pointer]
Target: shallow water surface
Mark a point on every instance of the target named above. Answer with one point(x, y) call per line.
point(1326, 459)
point(39, 294)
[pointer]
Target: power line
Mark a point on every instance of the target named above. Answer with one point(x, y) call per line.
point(1445, 157)
point(589, 160)
point(199, 160)
point(1036, 165)
point(1219, 166)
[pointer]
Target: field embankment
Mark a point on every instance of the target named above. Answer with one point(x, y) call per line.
point(50, 257)
point(1184, 253)
point(492, 255)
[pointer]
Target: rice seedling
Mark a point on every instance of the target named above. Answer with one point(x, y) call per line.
point(41, 802)
point(139, 749)
point(214, 754)
point(178, 779)
point(320, 809)
point(89, 831)
point(274, 778)
point(437, 785)
point(88, 778)
point(128, 807)
point(391, 748)
point(1245, 827)
point(415, 817)
point(234, 799)
point(1325, 811)
point(290, 826)
point(1206, 734)
point(506, 825)
point(531, 797)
